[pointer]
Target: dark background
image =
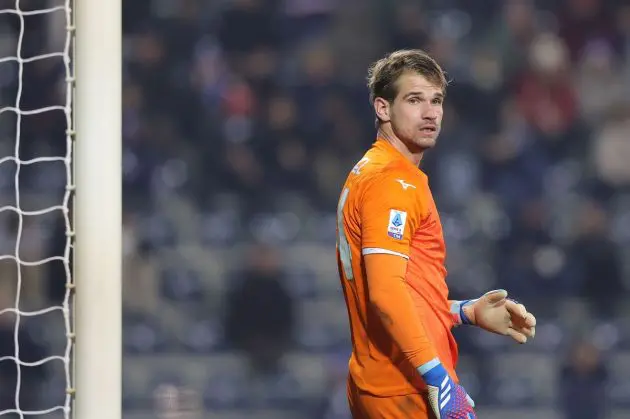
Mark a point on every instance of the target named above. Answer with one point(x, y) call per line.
point(241, 120)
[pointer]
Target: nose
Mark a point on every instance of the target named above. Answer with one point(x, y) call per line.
point(430, 114)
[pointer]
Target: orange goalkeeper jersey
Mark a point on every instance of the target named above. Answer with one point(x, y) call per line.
point(386, 206)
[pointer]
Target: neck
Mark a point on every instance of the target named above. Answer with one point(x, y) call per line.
point(414, 155)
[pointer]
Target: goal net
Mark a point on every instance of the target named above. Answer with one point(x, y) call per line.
point(36, 191)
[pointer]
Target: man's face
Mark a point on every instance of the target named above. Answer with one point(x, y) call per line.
point(416, 112)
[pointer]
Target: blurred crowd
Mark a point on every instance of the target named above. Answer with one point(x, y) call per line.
point(241, 119)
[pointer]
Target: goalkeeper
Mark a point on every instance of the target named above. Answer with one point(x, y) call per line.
point(391, 253)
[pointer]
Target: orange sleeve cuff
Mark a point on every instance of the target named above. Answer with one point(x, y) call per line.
point(391, 300)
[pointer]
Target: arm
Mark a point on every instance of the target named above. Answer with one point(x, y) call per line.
point(391, 300)
point(389, 214)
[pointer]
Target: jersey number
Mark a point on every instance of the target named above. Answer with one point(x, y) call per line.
point(342, 240)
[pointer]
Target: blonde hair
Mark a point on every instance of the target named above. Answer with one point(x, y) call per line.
point(384, 73)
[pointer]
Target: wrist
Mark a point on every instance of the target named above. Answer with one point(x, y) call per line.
point(463, 312)
point(468, 313)
point(433, 372)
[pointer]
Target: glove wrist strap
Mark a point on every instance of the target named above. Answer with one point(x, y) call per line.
point(432, 372)
point(458, 313)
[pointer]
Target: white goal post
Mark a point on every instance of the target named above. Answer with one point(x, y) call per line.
point(97, 215)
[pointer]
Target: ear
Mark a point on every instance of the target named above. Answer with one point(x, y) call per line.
point(382, 109)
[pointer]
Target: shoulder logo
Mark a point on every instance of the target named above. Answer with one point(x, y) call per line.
point(357, 167)
point(405, 185)
point(396, 225)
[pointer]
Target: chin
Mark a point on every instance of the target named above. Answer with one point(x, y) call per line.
point(425, 142)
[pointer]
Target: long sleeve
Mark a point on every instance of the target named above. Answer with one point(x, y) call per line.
point(390, 298)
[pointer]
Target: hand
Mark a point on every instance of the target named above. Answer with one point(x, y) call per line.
point(447, 399)
point(496, 313)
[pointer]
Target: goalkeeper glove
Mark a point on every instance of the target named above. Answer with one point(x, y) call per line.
point(496, 313)
point(448, 399)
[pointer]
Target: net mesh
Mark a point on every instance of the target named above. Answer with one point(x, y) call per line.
point(36, 188)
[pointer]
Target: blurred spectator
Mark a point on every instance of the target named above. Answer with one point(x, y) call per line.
point(140, 289)
point(601, 85)
point(623, 27)
point(582, 21)
point(259, 311)
point(611, 149)
point(409, 27)
point(307, 19)
point(545, 95)
point(582, 383)
point(245, 26)
point(512, 33)
point(597, 260)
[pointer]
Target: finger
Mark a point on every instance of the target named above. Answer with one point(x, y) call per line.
point(471, 402)
point(527, 321)
point(531, 332)
point(516, 309)
point(526, 325)
point(495, 296)
point(527, 331)
point(530, 320)
point(516, 335)
point(532, 329)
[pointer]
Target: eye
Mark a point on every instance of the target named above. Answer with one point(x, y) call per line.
point(414, 100)
point(438, 101)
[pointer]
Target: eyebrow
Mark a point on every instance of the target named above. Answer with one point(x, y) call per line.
point(436, 96)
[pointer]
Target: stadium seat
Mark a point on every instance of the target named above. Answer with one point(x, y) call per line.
point(317, 258)
point(201, 336)
point(181, 284)
point(198, 369)
point(143, 334)
point(572, 314)
point(468, 373)
point(218, 228)
point(227, 414)
point(301, 281)
point(523, 379)
point(322, 324)
point(257, 414)
point(622, 320)
point(158, 231)
point(210, 264)
point(310, 372)
point(619, 388)
point(524, 413)
point(145, 374)
point(131, 414)
point(136, 383)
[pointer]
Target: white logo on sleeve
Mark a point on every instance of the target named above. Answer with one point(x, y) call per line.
point(357, 167)
point(405, 185)
point(396, 225)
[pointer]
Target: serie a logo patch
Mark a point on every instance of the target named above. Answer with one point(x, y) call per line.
point(396, 225)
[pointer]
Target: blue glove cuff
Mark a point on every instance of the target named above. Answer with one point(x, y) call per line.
point(457, 310)
point(433, 372)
